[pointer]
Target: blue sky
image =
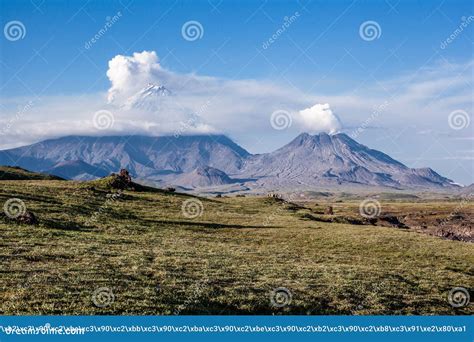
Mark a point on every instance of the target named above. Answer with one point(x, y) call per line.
point(319, 58)
point(236, 29)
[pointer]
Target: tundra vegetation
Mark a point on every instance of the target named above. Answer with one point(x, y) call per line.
point(227, 255)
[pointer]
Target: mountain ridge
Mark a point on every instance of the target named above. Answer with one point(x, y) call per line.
point(198, 161)
point(149, 98)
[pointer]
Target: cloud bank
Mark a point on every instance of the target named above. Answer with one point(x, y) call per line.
point(241, 108)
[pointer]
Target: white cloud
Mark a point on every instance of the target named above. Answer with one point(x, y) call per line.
point(241, 108)
point(319, 118)
point(211, 104)
point(128, 74)
point(390, 112)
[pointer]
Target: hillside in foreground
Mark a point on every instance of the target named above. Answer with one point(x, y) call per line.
point(144, 253)
point(18, 173)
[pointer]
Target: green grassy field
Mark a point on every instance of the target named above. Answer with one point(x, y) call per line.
point(153, 259)
point(17, 173)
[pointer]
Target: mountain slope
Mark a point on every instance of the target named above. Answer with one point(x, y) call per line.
point(309, 161)
point(467, 190)
point(149, 98)
point(143, 156)
point(325, 159)
point(203, 177)
point(17, 173)
point(76, 169)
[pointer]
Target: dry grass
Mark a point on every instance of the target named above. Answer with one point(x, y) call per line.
point(227, 261)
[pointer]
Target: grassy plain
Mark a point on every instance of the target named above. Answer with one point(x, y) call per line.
point(152, 260)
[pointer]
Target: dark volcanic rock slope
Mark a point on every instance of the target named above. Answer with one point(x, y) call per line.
point(144, 157)
point(335, 159)
point(203, 177)
point(202, 161)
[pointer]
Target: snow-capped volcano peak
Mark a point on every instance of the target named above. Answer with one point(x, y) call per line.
point(154, 89)
point(149, 98)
